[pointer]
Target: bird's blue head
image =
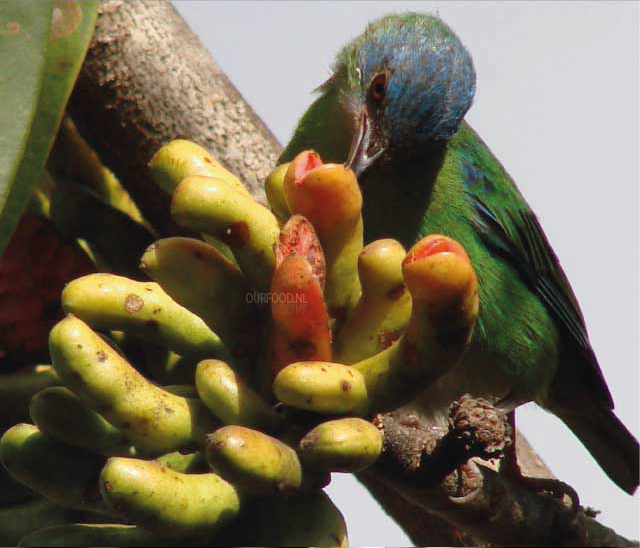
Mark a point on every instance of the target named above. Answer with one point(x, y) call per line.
point(406, 83)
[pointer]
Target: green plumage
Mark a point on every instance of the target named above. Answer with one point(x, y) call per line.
point(431, 173)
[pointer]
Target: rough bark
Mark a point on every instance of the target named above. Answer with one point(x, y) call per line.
point(479, 506)
point(148, 79)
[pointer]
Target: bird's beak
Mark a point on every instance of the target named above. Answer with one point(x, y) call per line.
point(364, 151)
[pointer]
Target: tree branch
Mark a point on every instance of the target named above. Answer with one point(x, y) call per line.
point(418, 465)
point(147, 79)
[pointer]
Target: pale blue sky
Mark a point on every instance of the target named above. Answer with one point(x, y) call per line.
point(557, 102)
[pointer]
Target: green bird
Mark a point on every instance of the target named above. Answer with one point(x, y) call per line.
point(393, 110)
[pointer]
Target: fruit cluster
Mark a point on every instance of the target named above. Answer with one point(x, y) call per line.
point(224, 392)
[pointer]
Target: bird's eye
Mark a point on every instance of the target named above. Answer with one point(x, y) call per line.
point(378, 88)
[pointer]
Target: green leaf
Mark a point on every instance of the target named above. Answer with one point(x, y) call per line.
point(24, 34)
point(42, 57)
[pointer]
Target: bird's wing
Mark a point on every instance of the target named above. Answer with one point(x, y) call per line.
point(516, 234)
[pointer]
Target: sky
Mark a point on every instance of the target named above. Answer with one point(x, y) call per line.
point(557, 102)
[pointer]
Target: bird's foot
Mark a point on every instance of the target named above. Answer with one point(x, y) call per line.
point(510, 468)
point(558, 489)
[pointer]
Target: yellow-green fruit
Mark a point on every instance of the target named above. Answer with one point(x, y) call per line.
point(166, 367)
point(230, 399)
point(273, 187)
point(168, 502)
point(306, 520)
point(118, 197)
point(190, 463)
point(59, 413)
point(62, 473)
point(109, 302)
point(126, 449)
point(380, 266)
point(444, 293)
point(18, 387)
point(152, 418)
point(323, 387)
point(197, 276)
point(214, 207)
point(181, 158)
point(115, 242)
point(384, 307)
point(342, 445)
point(73, 158)
point(184, 390)
point(258, 463)
point(223, 248)
point(385, 388)
point(19, 520)
point(93, 534)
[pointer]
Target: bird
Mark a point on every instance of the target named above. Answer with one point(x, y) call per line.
point(394, 111)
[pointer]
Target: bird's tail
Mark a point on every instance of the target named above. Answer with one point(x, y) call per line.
point(610, 443)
